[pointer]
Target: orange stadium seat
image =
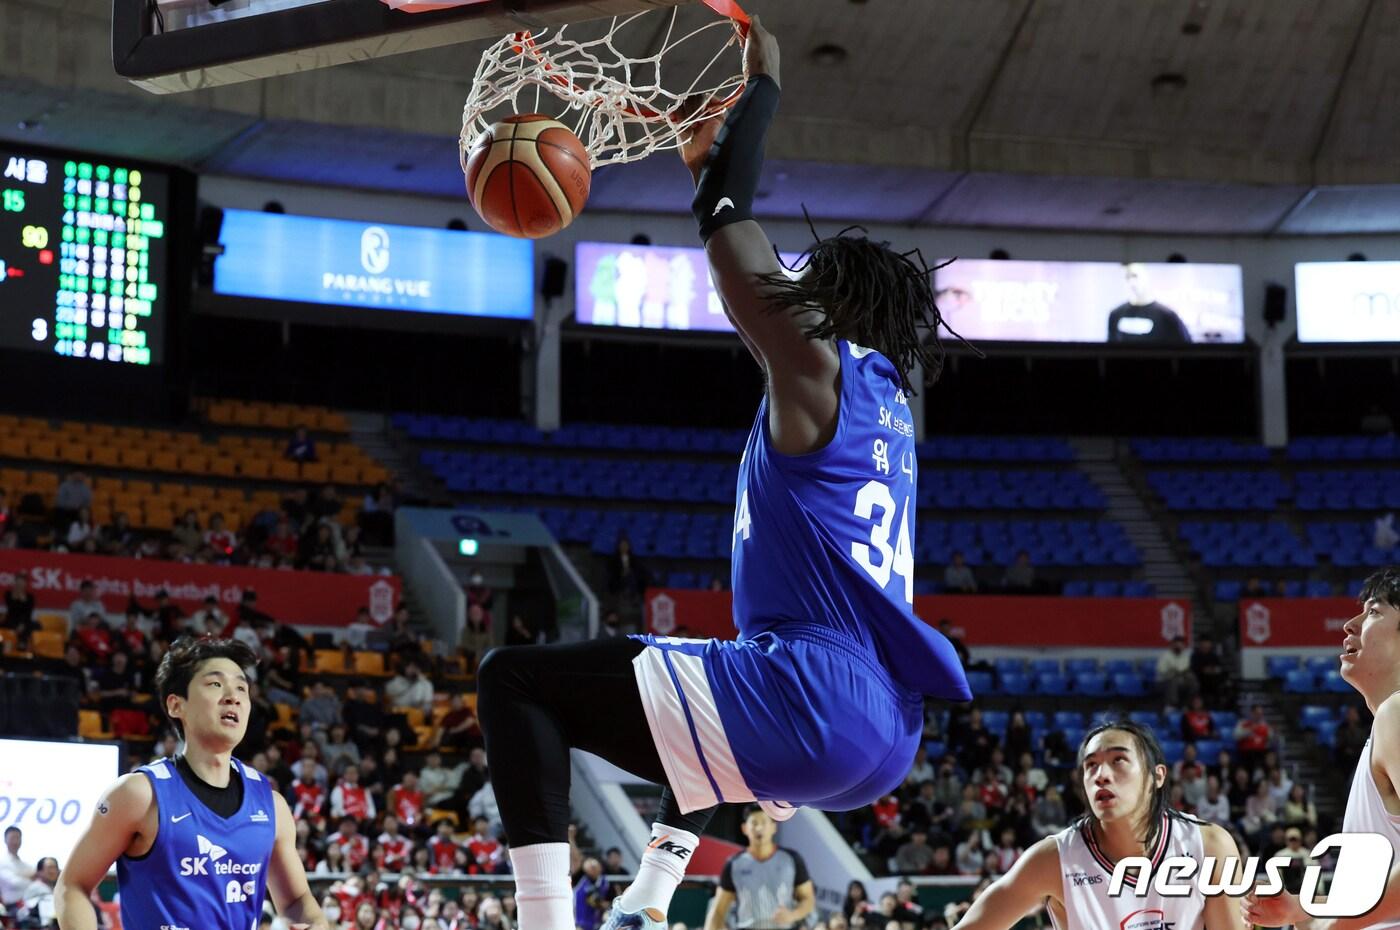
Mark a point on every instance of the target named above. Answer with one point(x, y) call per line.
point(283, 470)
point(106, 455)
point(90, 725)
point(223, 465)
point(331, 661)
point(53, 623)
point(245, 414)
point(165, 460)
point(318, 472)
point(275, 417)
point(9, 642)
point(194, 463)
point(140, 487)
point(137, 457)
point(47, 645)
point(13, 446)
point(258, 468)
point(73, 453)
point(46, 450)
point(345, 474)
point(369, 663)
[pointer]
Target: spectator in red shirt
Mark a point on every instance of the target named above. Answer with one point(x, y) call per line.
point(283, 541)
point(95, 638)
point(218, 537)
point(395, 849)
point(133, 639)
point(406, 800)
point(486, 852)
point(886, 811)
point(350, 798)
point(351, 843)
point(310, 801)
point(1253, 736)
point(1196, 723)
point(444, 849)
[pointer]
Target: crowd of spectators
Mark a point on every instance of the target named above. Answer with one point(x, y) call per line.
point(1019, 577)
point(306, 531)
point(990, 795)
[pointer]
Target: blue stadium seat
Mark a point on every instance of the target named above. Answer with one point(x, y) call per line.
point(1052, 684)
point(1334, 683)
point(1045, 666)
point(1321, 665)
point(1129, 685)
point(980, 682)
point(1081, 666)
point(1173, 749)
point(1280, 666)
point(1065, 719)
point(936, 749)
point(1094, 684)
point(996, 720)
point(1119, 667)
point(1298, 681)
point(1016, 684)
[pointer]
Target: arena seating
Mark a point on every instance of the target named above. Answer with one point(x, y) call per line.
point(1344, 449)
point(146, 472)
point(1198, 450)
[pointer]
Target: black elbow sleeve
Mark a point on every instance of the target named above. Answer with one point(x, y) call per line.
point(729, 180)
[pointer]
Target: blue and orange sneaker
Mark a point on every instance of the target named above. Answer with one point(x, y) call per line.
point(618, 919)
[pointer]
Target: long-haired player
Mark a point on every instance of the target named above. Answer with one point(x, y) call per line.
point(1122, 781)
point(819, 701)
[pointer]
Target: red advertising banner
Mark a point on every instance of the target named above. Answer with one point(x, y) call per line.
point(302, 598)
point(1110, 622)
point(1296, 621)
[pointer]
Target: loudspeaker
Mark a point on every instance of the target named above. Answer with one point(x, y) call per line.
point(556, 272)
point(1275, 303)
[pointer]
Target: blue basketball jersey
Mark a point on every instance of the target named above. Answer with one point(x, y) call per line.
point(204, 872)
point(827, 538)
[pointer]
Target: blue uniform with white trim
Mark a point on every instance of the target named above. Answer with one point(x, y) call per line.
point(204, 872)
point(819, 701)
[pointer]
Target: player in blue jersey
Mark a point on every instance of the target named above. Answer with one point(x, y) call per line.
point(819, 701)
point(198, 840)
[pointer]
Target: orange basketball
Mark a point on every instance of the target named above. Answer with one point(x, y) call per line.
point(528, 176)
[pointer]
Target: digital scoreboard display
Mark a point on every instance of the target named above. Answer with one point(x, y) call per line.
point(83, 257)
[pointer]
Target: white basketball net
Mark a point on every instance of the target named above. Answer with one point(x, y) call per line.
point(614, 103)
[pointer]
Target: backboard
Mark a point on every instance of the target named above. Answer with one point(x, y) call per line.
point(170, 46)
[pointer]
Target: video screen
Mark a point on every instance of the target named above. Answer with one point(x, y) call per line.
point(49, 790)
point(83, 257)
point(649, 287)
point(1348, 301)
point(375, 266)
point(1145, 304)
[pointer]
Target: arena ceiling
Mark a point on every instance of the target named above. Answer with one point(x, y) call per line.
point(1174, 116)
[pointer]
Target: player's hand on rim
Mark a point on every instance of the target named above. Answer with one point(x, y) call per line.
point(761, 53)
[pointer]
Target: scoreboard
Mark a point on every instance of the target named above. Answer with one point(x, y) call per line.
point(83, 257)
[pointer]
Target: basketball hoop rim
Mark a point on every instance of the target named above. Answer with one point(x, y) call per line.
point(729, 9)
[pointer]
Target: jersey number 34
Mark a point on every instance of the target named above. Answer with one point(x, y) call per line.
point(899, 560)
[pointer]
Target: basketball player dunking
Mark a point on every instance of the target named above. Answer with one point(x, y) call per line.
point(1122, 776)
point(199, 839)
point(819, 701)
point(1370, 664)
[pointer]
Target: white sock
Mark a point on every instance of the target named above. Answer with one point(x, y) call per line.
point(543, 896)
point(663, 867)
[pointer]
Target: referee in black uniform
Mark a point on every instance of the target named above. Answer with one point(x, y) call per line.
point(768, 886)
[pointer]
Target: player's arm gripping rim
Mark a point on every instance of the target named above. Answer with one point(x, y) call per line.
point(726, 160)
point(1018, 893)
point(121, 822)
point(1385, 754)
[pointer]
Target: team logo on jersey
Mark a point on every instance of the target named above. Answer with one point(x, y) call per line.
point(236, 893)
point(259, 817)
point(1084, 878)
point(209, 861)
point(1148, 919)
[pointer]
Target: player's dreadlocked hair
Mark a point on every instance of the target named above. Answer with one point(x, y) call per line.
point(868, 293)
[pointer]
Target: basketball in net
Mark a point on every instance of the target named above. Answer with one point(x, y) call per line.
point(528, 176)
point(616, 93)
